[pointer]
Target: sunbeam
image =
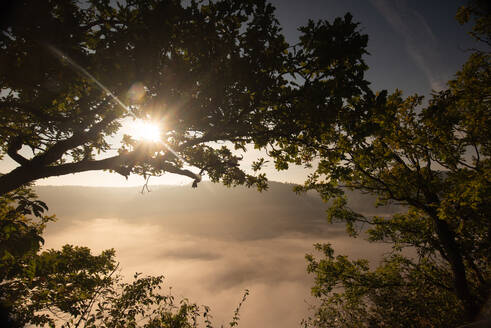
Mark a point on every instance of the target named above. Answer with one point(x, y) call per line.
point(147, 131)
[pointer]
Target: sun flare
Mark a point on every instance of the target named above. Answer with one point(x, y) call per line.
point(146, 131)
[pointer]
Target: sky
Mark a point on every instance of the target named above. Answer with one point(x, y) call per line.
point(415, 46)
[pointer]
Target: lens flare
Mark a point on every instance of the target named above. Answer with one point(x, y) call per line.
point(142, 130)
point(136, 92)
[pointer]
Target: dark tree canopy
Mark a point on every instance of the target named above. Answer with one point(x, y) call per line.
point(210, 72)
point(435, 160)
point(218, 75)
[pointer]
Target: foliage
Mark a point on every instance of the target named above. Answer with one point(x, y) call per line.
point(210, 72)
point(22, 221)
point(217, 75)
point(433, 159)
point(59, 282)
point(398, 293)
point(436, 162)
point(480, 12)
point(73, 288)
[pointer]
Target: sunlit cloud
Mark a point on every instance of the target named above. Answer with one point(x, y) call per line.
point(215, 271)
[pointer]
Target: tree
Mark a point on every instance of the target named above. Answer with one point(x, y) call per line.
point(435, 160)
point(398, 293)
point(199, 67)
point(209, 72)
point(73, 288)
point(21, 224)
point(479, 12)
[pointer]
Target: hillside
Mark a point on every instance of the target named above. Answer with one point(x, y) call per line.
point(211, 209)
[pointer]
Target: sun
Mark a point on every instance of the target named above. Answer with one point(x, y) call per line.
point(146, 131)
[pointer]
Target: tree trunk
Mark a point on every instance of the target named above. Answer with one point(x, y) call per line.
point(447, 238)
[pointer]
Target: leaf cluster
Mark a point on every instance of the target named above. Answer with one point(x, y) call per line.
point(433, 159)
point(398, 293)
point(71, 287)
point(211, 72)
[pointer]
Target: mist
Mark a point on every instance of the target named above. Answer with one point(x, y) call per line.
point(211, 243)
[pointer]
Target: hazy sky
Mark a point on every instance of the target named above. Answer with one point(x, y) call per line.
point(414, 45)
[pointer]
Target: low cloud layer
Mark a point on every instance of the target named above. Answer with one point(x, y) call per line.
point(211, 245)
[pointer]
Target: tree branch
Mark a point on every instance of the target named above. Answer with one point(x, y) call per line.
point(121, 164)
point(57, 150)
point(15, 144)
